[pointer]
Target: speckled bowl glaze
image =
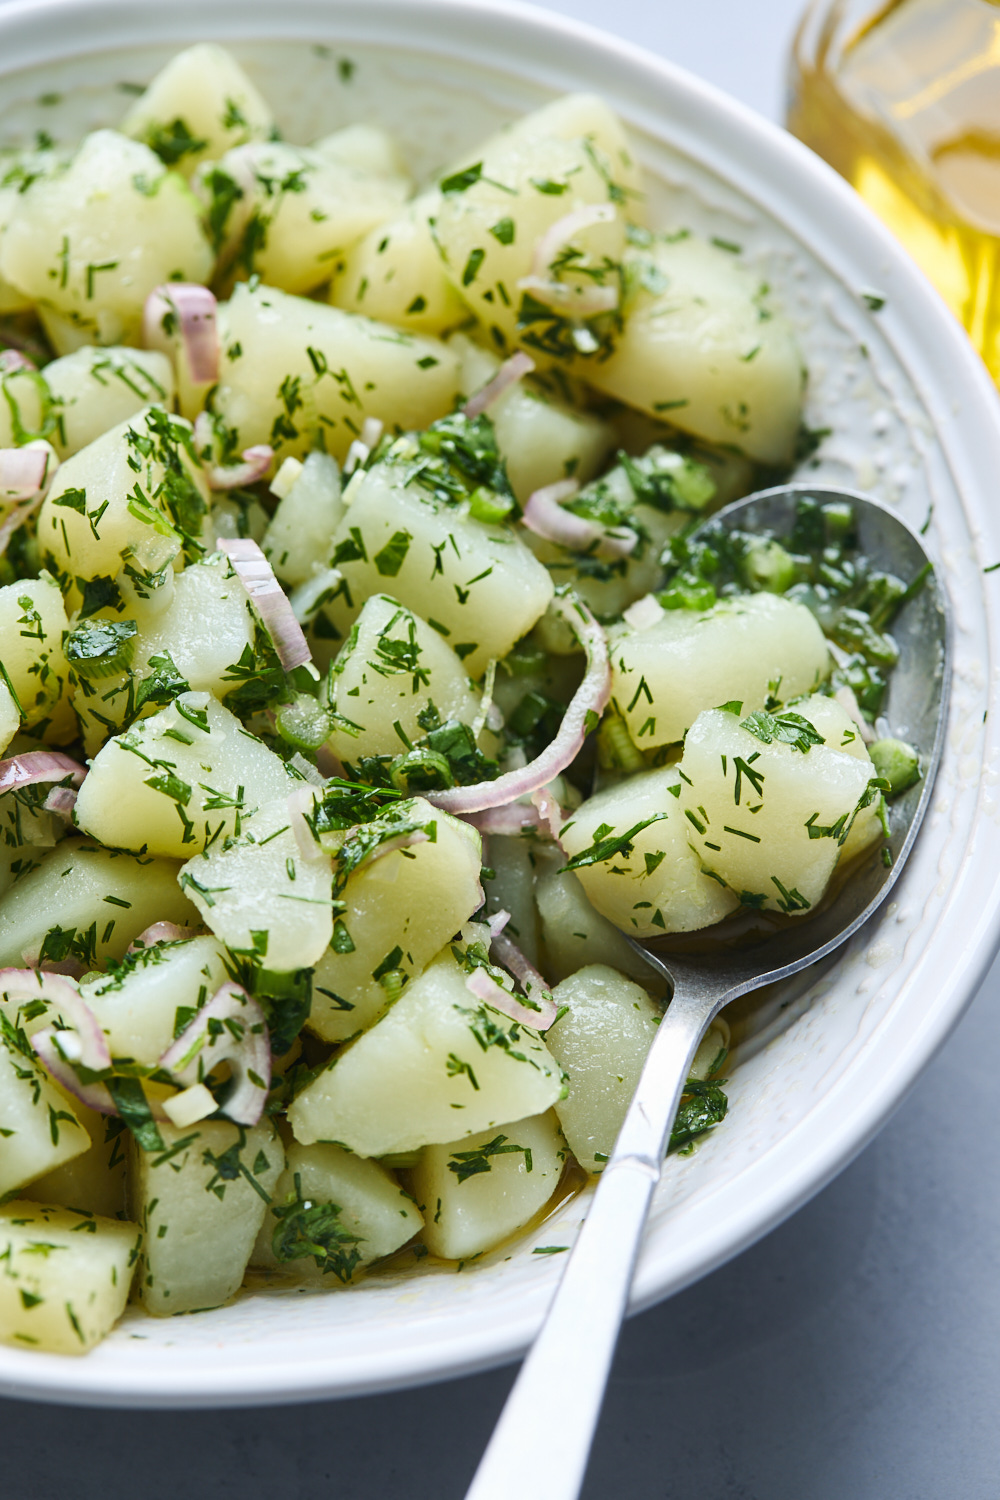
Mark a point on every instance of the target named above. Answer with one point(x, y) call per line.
point(913, 418)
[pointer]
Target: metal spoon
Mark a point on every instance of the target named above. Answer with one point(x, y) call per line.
point(541, 1444)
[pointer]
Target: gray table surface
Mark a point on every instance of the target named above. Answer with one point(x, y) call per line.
point(854, 1352)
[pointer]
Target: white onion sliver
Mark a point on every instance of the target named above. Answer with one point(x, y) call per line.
point(23, 472)
point(549, 812)
point(587, 302)
point(644, 613)
point(256, 462)
point(200, 1047)
point(510, 372)
point(38, 765)
point(845, 696)
point(268, 598)
point(591, 697)
point(194, 308)
point(562, 231)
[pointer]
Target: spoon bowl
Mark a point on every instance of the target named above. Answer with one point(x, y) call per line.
point(561, 1384)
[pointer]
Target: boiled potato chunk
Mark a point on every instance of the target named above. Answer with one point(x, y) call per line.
point(197, 107)
point(394, 273)
point(492, 216)
point(741, 649)
point(65, 1300)
point(175, 781)
point(439, 1062)
point(301, 375)
point(830, 719)
point(90, 242)
point(767, 818)
point(260, 895)
point(368, 147)
point(701, 346)
point(89, 904)
point(38, 1130)
point(400, 910)
point(388, 671)
point(95, 389)
point(153, 995)
point(373, 1213)
point(288, 213)
point(300, 534)
point(541, 437)
point(32, 622)
point(201, 1202)
point(658, 886)
point(587, 117)
point(477, 1191)
point(93, 1182)
point(10, 716)
point(131, 496)
point(574, 934)
point(601, 1040)
point(477, 583)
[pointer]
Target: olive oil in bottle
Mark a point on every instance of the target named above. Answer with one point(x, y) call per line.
point(904, 100)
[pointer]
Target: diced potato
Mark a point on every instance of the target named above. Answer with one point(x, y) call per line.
point(400, 911)
point(479, 582)
point(390, 668)
point(130, 496)
point(93, 1182)
point(575, 117)
point(658, 885)
point(574, 934)
point(197, 107)
point(38, 1130)
point(374, 1214)
point(148, 1001)
point(367, 147)
point(95, 389)
point(10, 716)
point(741, 650)
point(511, 888)
point(178, 779)
point(394, 273)
point(541, 437)
point(767, 817)
point(830, 719)
point(260, 896)
point(201, 1202)
point(66, 1276)
point(287, 213)
point(477, 1191)
point(300, 533)
point(90, 242)
point(601, 1041)
point(86, 903)
point(300, 375)
point(27, 832)
point(701, 346)
point(493, 214)
point(32, 622)
point(438, 1061)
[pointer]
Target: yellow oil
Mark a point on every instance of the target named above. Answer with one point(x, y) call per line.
point(904, 101)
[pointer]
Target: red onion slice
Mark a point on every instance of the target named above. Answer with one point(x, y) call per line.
point(549, 812)
point(193, 309)
point(241, 1040)
point(23, 472)
point(94, 1095)
point(486, 989)
point(38, 765)
point(507, 953)
point(12, 360)
point(587, 301)
point(497, 922)
point(268, 598)
point(61, 801)
point(545, 516)
point(62, 995)
point(590, 698)
point(256, 462)
point(160, 932)
point(510, 372)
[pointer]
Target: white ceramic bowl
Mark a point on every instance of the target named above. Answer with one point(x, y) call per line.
point(914, 419)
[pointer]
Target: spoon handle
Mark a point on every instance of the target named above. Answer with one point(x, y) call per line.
point(540, 1445)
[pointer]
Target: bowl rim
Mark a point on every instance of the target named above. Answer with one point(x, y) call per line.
point(802, 193)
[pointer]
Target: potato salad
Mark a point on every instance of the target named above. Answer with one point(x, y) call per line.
point(370, 674)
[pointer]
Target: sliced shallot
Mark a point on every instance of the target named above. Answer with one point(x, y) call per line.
point(12, 360)
point(588, 301)
point(506, 952)
point(39, 765)
point(89, 1044)
point(239, 1038)
point(590, 699)
point(486, 989)
point(193, 309)
point(268, 598)
point(510, 372)
point(545, 516)
point(160, 932)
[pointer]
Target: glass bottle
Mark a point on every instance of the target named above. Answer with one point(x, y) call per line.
point(903, 98)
